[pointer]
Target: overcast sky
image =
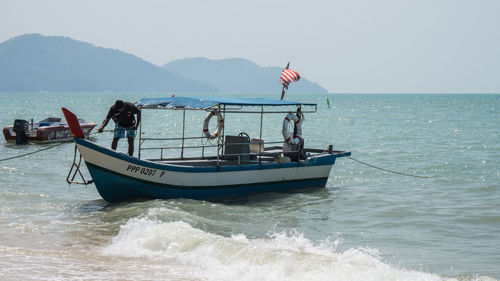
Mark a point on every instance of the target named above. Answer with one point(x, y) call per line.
point(428, 46)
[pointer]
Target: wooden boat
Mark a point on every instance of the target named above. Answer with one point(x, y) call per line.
point(240, 165)
point(45, 131)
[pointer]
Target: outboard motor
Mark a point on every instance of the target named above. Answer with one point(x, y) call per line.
point(21, 130)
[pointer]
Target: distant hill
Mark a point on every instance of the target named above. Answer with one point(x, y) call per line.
point(34, 62)
point(238, 76)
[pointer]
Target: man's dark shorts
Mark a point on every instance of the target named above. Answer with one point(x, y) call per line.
point(120, 131)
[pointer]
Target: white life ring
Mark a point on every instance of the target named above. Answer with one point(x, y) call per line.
point(287, 136)
point(220, 125)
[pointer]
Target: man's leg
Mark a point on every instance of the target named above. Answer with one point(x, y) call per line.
point(130, 146)
point(114, 144)
point(118, 133)
point(131, 137)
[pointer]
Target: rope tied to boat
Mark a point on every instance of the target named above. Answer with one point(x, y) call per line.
point(386, 170)
point(43, 149)
point(33, 152)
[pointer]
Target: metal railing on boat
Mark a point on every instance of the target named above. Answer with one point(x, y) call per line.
point(221, 145)
point(270, 153)
point(203, 147)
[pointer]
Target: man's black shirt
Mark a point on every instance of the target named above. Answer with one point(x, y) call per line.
point(125, 118)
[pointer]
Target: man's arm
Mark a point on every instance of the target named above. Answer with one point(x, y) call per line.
point(138, 120)
point(106, 120)
point(104, 123)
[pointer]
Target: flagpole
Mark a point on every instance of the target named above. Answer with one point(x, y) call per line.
point(283, 91)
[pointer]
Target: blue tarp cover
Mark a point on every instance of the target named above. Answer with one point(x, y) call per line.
point(203, 103)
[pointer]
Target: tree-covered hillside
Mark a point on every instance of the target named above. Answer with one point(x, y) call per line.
point(35, 62)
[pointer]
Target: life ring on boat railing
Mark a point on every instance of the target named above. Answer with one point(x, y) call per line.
point(287, 136)
point(220, 125)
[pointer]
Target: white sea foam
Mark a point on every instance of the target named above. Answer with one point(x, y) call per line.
point(281, 256)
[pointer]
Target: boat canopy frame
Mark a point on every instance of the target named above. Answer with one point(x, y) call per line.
point(222, 105)
point(197, 103)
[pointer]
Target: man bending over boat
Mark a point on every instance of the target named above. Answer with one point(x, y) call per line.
point(123, 115)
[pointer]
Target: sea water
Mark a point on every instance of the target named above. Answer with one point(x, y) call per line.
point(367, 224)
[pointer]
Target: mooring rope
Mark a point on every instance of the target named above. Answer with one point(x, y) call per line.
point(33, 152)
point(359, 161)
point(47, 148)
point(373, 166)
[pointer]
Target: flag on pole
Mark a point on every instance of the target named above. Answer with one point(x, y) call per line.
point(288, 76)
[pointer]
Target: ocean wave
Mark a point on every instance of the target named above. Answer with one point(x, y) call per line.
point(280, 256)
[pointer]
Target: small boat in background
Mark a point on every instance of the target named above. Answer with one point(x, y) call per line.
point(45, 131)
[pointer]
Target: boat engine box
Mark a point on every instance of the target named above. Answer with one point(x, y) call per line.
point(234, 146)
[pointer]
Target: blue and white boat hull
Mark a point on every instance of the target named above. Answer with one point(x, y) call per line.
point(118, 176)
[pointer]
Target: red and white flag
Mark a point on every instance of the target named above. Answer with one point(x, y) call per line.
point(288, 76)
